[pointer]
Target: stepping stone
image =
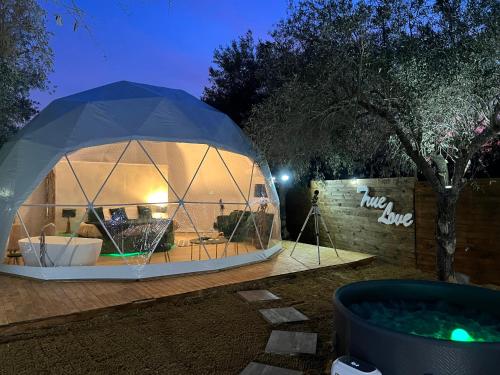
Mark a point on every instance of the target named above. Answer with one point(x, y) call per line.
point(284, 342)
point(283, 315)
point(257, 295)
point(255, 368)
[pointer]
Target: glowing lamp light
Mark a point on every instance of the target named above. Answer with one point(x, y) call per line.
point(459, 334)
point(158, 197)
point(285, 177)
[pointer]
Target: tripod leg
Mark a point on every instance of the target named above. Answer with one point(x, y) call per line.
point(302, 230)
point(328, 233)
point(316, 229)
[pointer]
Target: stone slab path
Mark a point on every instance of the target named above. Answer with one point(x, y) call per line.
point(258, 295)
point(255, 368)
point(280, 342)
point(283, 315)
point(284, 342)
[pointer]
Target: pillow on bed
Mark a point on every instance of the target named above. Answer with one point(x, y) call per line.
point(145, 212)
point(118, 213)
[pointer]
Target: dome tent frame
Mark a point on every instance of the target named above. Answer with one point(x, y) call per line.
point(119, 112)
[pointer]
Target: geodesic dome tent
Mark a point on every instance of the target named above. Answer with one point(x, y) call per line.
point(130, 181)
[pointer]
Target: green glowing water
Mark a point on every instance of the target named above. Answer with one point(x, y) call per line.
point(438, 320)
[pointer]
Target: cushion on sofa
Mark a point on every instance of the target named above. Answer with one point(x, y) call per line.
point(118, 213)
point(145, 212)
point(91, 216)
point(89, 231)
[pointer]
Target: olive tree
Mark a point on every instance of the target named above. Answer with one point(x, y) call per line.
point(415, 81)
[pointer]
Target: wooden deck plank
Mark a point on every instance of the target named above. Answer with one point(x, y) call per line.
point(25, 300)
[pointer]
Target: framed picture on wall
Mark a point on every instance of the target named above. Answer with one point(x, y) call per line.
point(260, 191)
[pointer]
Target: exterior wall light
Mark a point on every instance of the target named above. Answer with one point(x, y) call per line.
point(284, 177)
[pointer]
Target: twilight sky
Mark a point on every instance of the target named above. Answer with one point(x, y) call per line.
point(150, 41)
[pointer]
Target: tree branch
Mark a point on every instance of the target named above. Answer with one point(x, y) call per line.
point(488, 133)
point(476, 144)
point(442, 168)
point(417, 158)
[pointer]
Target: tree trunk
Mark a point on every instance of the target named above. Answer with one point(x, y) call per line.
point(446, 233)
point(282, 190)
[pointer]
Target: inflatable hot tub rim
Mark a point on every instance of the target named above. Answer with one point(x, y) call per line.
point(483, 298)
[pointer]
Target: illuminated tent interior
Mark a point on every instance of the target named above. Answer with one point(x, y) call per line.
point(130, 181)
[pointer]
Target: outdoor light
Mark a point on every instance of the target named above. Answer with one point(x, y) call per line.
point(448, 187)
point(285, 177)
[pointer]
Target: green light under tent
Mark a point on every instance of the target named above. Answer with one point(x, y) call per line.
point(124, 254)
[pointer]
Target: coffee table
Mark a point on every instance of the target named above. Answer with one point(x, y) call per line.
point(209, 241)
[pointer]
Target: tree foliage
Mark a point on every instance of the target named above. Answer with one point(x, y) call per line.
point(25, 61)
point(404, 86)
point(235, 81)
point(410, 83)
point(244, 74)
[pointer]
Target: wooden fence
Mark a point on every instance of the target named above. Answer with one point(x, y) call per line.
point(478, 230)
point(356, 228)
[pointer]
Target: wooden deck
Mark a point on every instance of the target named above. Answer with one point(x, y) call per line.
point(32, 303)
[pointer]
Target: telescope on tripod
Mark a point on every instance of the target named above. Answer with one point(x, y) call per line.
point(314, 211)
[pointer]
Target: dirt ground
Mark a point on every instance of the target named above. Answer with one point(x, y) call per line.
point(214, 332)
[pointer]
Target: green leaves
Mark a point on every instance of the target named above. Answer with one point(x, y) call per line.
point(235, 83)
point(426, 71)
point(25, 62)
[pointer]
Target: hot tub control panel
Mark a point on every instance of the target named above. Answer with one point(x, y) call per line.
point(347, 365)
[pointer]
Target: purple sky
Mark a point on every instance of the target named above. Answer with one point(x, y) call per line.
point(150, 41)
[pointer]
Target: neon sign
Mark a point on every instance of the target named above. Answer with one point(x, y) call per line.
point(388, 217)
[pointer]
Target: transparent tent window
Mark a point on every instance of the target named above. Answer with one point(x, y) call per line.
point(146, 202)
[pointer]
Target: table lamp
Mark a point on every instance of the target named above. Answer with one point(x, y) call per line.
point(68, 213)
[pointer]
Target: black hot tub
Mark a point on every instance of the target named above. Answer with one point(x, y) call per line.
point(395, 351)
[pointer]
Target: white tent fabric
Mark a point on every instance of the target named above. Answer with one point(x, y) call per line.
point(116, 112)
